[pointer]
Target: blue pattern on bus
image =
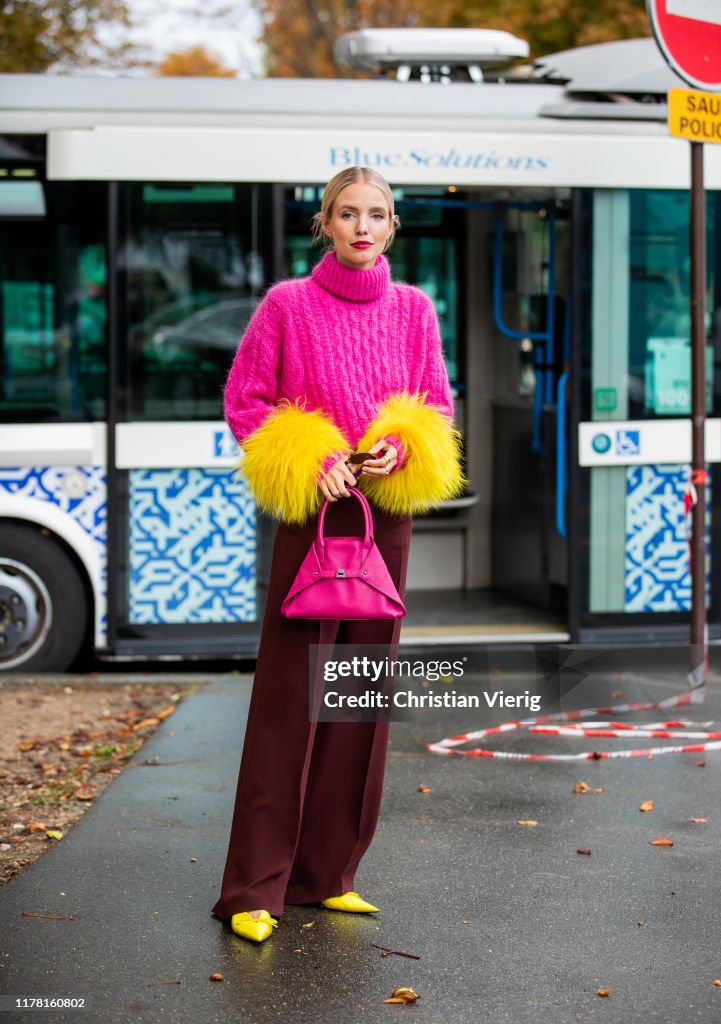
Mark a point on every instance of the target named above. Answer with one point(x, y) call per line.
point(80, 492)
point(658, 577)
point(192, 546)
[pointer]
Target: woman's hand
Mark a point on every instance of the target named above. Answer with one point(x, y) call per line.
point(382, 466)
point(335, 482)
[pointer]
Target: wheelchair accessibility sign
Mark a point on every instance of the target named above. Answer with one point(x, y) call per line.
point(655, 442)
point(225, 446)
point(628, 442)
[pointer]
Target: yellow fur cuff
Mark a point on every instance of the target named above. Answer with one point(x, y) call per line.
point(432, 470)
point(283, 458)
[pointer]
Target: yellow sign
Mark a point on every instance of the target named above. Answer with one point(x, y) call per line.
point(694, 115)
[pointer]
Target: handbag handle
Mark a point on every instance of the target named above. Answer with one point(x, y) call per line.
point(368, 520)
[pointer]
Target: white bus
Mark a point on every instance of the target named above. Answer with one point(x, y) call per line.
point(545, 214)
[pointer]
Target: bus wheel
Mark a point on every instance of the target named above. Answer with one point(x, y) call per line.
point(43, 603)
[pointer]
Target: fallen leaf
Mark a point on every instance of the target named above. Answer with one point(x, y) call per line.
point(402, 995)
point(618, 693)
point(699, 821)
point(586, 853)
point(385, 951)
point(53, 833)
point(580, 787)
point(466, 922)
point(521, 821)
point(297, 950)
point(717, 983)
point(168, 711)
point(47, 917)
point(217, 976)
point(647, 805)
point(84, 793)
point(425, 789)
point(308, 924)
point(146, 723)
point(661, 842)
point(26, 745)
point(650, 757)
point(700, 764)
point(599, 790)
point(603, 992)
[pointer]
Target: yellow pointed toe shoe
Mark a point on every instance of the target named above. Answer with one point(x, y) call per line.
point(256, 929)
point(351, 902)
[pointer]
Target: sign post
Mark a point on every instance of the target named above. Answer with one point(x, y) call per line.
point(688, 33)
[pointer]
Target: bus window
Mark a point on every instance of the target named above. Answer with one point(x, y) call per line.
point(659, 356)
point(641, 348)
point(52, 301)
point(195, 265)
point(432, 264)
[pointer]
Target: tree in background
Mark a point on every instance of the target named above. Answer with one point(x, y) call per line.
point(36, 35)
point(59, 36)
point(547, 25)
point(299, 34)
point(194, 62)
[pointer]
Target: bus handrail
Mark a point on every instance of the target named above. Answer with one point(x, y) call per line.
point(543, 352)
point(561, 455)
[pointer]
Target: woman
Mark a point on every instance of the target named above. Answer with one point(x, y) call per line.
point(343, 361)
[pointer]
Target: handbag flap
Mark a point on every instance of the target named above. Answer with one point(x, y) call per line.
point(372, 571)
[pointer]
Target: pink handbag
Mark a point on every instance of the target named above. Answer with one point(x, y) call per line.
point(343, 577)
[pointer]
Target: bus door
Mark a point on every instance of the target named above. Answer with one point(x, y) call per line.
point(530, 374)
point(632, 364)
point(187, 552)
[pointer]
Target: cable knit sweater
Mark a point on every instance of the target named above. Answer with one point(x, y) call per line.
point(339, 344)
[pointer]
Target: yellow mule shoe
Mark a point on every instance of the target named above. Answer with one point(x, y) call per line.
point(350, 902)
point(257, 929)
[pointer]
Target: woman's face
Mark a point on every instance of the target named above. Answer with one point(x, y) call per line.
point(359, 225)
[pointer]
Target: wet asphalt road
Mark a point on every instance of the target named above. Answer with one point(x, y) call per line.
point(510, 923)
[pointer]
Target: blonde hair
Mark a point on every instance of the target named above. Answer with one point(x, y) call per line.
point(335, 186)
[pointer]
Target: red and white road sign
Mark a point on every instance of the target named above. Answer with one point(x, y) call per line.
point(688, 33)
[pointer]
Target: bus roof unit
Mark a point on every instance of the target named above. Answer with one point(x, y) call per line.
point(435, 52)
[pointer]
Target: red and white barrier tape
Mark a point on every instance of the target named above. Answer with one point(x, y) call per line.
point(679, 728)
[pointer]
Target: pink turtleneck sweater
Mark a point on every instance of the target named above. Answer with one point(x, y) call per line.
point(342, 339)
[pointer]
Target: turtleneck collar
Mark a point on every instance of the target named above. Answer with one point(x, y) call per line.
point(349, 282)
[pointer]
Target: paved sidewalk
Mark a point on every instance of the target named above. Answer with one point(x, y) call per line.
point(511, 924)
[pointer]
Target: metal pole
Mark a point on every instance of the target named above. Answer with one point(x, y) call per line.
point(698, 416)
point(112, 393)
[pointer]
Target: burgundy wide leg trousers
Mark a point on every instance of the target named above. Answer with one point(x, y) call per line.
point(309, 793)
